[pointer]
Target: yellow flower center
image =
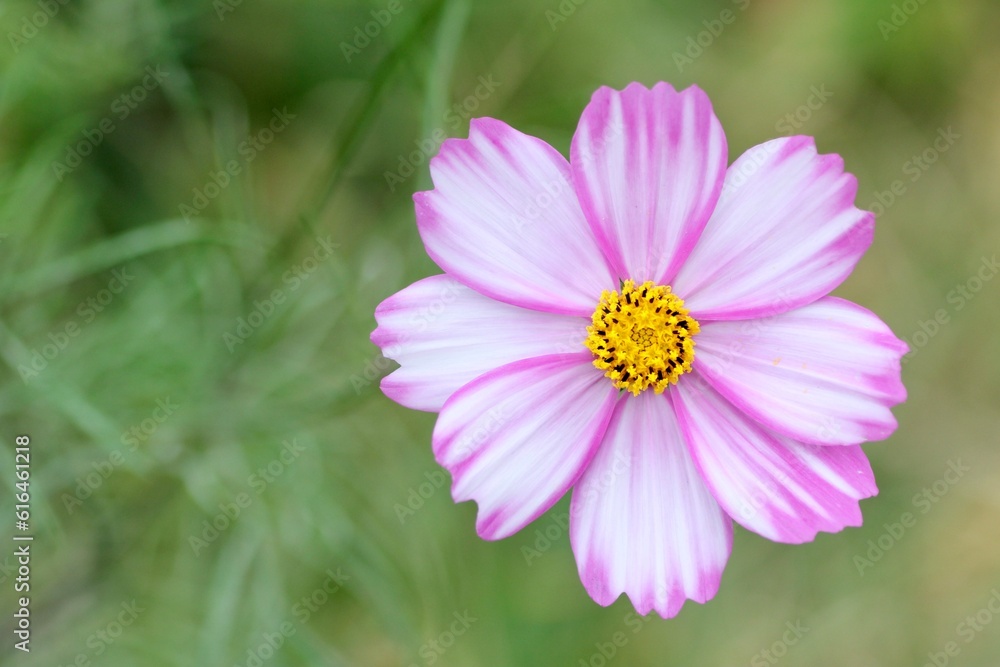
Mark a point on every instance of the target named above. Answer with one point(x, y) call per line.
point(642, 337)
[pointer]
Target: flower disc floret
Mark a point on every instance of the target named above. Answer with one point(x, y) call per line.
point(642, 336)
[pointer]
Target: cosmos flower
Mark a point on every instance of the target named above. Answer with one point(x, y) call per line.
point(651, 329)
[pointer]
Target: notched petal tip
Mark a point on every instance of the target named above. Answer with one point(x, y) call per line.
point(486, 125)
point(378, 337)
point(643, 521)
point(420, 196)
point(785, 233)
point(501, 201)
point(648, 167)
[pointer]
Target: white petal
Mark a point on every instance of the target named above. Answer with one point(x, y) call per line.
point(826, 373)
point(503, 219)
point(785, 233)
point(784, 490)
point(648, 166)
point(444, 335)
point(516, 438)
point(642, 520)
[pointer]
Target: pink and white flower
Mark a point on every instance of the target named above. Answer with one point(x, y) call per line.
point(651, 329)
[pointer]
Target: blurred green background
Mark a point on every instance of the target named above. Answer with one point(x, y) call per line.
point(201, 204)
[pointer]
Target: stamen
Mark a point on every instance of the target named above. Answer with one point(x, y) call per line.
point(649, 340)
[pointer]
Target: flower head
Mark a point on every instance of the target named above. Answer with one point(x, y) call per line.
point(651, 329)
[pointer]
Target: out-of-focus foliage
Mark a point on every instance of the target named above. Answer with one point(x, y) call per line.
point(201, 204)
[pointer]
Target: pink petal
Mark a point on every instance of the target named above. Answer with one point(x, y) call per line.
point(503, 219)
point(785, 490)
point(648, 167)
point(826, 373)
point(516, 438)
point(784, 234)
point(444, 335)
point(642, 520)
